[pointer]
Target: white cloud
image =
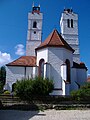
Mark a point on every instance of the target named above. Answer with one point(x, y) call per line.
point(4, 58)
point(19, 49)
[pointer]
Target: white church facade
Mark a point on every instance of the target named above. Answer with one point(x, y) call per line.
point(57, 58)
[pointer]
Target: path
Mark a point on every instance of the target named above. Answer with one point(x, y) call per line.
point(46, 115)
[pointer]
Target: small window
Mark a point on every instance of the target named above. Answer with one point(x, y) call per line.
point(71, 23)
point(34, 24)
point(68, 23)
point(41, 68)
point(13, 87)
point(34, 32)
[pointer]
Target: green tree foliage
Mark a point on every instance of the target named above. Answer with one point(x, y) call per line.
point(82, 94)
point(2, 75)
point(42, 86)
point(2, 78)
point(1, 87)
point(26, 88)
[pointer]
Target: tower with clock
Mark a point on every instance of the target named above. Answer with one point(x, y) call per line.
point(34, 33)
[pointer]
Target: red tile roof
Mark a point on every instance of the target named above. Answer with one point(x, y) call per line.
point(28, 61)
point(88, 79)
point(55, 40)
point(79, 66)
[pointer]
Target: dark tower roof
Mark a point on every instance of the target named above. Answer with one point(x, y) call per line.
point(36, 9)
point(68, 10)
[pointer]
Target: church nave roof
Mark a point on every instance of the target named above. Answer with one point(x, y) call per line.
point(27, 61)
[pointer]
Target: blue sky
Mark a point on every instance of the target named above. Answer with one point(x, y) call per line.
point(13, 25)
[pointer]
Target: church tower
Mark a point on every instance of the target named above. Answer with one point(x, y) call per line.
point(69, 31)
point(34, 33)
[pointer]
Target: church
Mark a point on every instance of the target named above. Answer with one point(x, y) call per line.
point(57, 58)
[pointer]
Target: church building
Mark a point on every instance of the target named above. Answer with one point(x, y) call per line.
point(57, 58)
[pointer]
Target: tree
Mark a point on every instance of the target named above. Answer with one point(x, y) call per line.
point(2, 75)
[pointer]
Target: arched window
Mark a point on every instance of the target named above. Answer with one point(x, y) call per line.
point(41, 68)
point(13, 87)
point(34, 24)
point(68, 70)
point(71, 23)
point(68, 23)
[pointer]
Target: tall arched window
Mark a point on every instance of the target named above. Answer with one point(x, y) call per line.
point(71, 23)
point(68, 23)
point(34, 24)
point(41, 68)
point(68, 70)
point(13, 86)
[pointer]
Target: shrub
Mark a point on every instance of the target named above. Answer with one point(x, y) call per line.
point(7, 92)
point(26, 88)
point(82, 94)
point(42, 86)
point(23, 88)
point(1, 105)
point(1, 87)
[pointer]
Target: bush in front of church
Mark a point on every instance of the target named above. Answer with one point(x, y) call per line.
point(26, 88)
point(1, 87)
point(83, 94)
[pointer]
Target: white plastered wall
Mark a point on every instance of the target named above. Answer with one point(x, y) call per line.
point(78, 75)
point(81, 76)
point(54, 57)
point(57, 57)
point(73, 86)
point(42, 54)
point(15, 73)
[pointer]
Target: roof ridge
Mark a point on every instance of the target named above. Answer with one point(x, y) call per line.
point(55, 40)
point(51, 36)
point(16, 59)
point(65, 42)
point(59, 36)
